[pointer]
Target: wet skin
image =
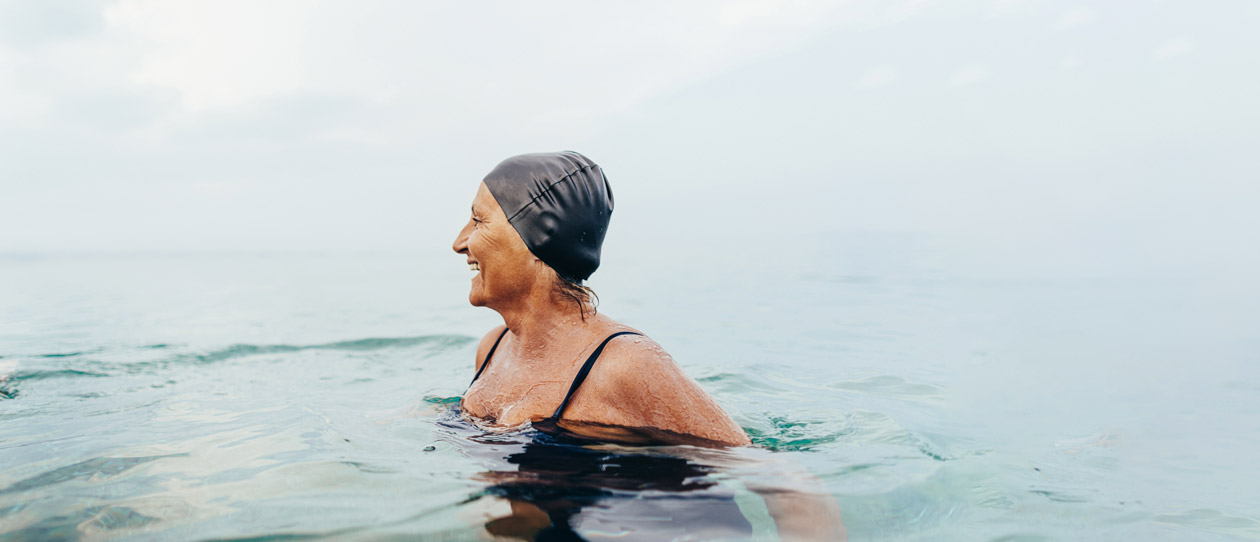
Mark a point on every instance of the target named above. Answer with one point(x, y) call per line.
point(634, 384)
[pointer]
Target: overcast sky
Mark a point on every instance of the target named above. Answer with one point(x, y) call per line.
point(1081, 136)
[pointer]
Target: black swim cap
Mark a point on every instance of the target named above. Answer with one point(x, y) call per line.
point(560, 203)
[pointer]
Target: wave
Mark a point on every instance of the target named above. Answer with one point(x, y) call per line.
point(101, 467)
point(69, 354)
point(86, 368)
point(63, 373)
point(358, 345)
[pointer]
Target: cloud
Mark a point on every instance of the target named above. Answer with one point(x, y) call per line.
point(117, 110)
point(1077, 17)
point(759, 12)
point(1003, 8)
point(289, 118)
point(32, 24)
point(878, 77)
point(1173, 48)
point(140, 108)
point(436, 54)
point(184, 48)
point(907, 9)
point(308, 125)
point(969, 75)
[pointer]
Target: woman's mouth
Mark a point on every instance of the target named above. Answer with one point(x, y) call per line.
point(474, 266)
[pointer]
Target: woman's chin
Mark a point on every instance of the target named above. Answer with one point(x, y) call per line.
point(476, 297)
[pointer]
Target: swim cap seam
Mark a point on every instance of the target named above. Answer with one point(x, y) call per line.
point(548, 190)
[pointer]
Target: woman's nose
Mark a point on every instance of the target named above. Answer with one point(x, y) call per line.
point(461, 241)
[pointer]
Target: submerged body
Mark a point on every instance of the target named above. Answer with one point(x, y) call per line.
point(560, 488)
point(634, 390)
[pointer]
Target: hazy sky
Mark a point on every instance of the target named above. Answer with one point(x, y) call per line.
point(1085, 138)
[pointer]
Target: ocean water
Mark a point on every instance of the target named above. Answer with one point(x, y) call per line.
point(314, 396)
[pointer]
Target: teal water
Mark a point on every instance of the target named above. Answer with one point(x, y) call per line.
point(198, 397)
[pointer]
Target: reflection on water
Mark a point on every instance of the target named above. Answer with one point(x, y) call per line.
point(561, 488)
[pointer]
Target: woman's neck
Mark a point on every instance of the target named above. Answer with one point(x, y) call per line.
point(541, 321)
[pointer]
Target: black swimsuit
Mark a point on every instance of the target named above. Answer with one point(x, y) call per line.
point(577, 380)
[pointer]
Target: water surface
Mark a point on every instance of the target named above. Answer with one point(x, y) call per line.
point(202, 397)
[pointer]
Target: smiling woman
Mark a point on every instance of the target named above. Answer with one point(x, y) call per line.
point(538, 223)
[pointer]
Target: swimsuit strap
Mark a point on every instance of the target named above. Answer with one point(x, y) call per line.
point(586, 368)
point(488, 354)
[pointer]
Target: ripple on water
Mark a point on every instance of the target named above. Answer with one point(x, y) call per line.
point(802, 432)
point(8, 388)
point(109, 521)
point(98, 468)
point(69, 354)
point(879, 428)
point(1212, 520)
point(31, 376)
point(784, 434)
point(890, 385)
point(1021, 538)
point(437, 342)
point(91, 368)
point(740, 384)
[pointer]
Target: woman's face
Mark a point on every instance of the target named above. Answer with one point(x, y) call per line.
point(502, 263)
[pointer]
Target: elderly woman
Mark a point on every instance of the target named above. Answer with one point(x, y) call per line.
point(537, 225)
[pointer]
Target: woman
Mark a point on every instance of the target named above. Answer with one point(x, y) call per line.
point(537, 225)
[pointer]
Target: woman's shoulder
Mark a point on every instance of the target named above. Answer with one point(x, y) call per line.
point(627, 348)
point(648, 387)
point(634, 353)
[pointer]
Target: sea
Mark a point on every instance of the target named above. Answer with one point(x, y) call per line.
point(315, 396)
